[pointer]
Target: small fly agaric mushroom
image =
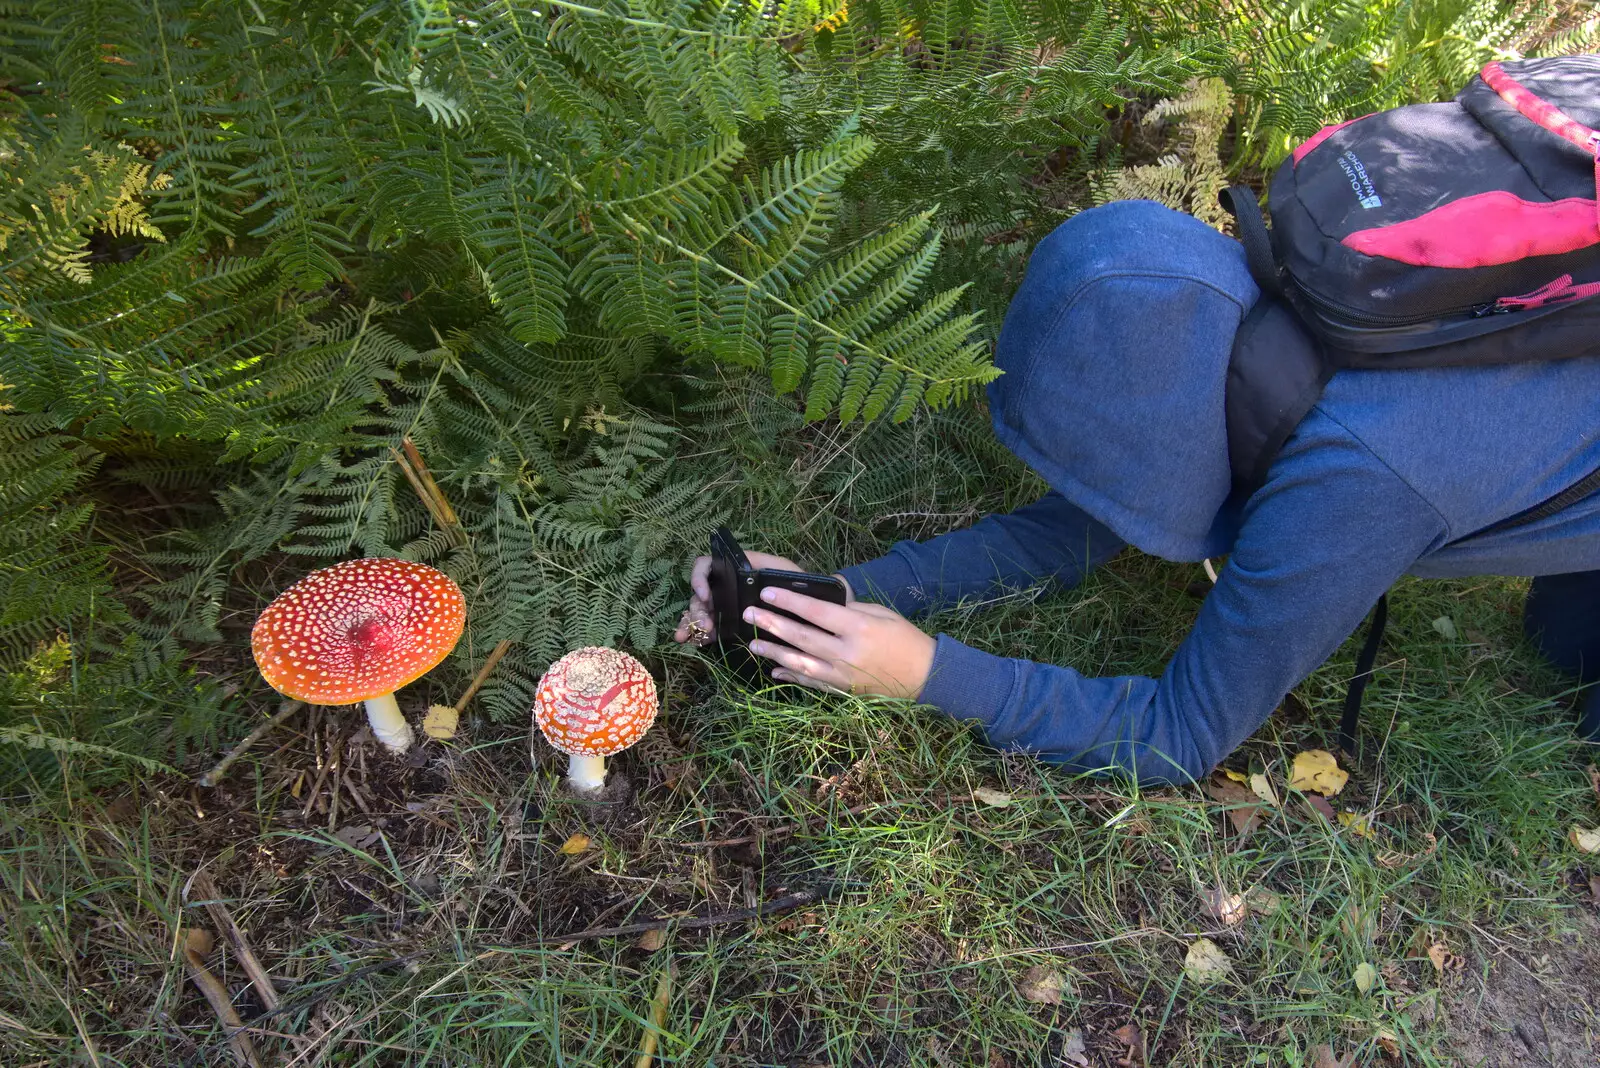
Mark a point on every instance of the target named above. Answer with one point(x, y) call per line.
point(358, 631)
point(591, 703)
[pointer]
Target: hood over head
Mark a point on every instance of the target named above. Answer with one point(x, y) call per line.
point(1115, 353)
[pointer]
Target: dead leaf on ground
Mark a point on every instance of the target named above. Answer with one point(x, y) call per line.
point(1444, 960)
point(1041, 985)
point(1315, 770)
point(441, 721)
point(651, 941)
point(1133, 1038)
point(1221, 905)
point(1205, 962)
point(1261, 901)
point(1366, 976)
point(1594, 779)
point(1323, 1057)
point(575, 845)
point(1322, 808)
point(988, 795)
point(1262, 787)
point(1594, 888)
point(1237, 776)
point(1356, 824)
point(1446, 628)
point(1390, 1042)
point(1244, 810)
point(1073, 1051)
point(1584, 839)
point(358, 835)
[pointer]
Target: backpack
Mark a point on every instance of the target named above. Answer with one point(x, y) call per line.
point(1453, 234)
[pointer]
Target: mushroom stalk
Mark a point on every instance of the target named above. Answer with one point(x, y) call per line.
point(388, 725)
point(587, 773)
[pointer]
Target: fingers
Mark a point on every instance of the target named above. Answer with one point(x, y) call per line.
point(700, 579)
point(806, 638)
point(838, 619)
point(799, 664)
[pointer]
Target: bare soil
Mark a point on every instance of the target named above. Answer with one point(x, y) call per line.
point(1537, 1005)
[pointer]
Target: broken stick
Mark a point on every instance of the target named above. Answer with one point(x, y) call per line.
point(214, 776)
point(196, 945)
point(206, 892)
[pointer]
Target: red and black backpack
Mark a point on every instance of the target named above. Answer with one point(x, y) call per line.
point(1454, 234)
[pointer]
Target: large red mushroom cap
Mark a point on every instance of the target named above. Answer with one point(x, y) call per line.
point(358, 630)
point(595, 702)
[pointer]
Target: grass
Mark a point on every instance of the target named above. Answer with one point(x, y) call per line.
point(420, 945)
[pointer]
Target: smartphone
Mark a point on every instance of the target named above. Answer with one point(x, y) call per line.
point(735, 586)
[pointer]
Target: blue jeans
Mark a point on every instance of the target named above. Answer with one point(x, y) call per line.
point(1562, 617)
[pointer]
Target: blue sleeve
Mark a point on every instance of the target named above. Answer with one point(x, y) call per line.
point(1319, 544)
point(1050, 540)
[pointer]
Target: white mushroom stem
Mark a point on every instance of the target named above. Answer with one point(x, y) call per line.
point(587, 773)
point(388, 725)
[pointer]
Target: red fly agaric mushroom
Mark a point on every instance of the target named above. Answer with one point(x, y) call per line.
point(358, 631)
point(591, 703)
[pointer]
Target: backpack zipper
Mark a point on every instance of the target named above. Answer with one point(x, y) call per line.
point(1361, 317)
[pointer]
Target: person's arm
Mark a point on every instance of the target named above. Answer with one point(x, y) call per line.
point(1318, 547)
point(1050, 540)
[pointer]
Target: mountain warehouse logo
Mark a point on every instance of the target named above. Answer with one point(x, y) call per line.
point(1360, 181)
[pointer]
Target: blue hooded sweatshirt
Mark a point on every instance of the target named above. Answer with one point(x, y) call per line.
point(1115, 351)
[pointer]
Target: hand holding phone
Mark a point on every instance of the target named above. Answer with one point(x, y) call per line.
point(735, 584)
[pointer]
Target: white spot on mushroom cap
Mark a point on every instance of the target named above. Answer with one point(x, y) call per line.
point(359, 629)
point(595, 701)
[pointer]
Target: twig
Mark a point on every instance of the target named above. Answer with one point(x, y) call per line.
point(335, 757)
point(658, 1018)
point(433, 498)
point(691, 923)
point(416, 484)
point(196, 944)
point(214, 776)
point(483, 674)
point(316, 785)
point(434, 491)
point(206, 890)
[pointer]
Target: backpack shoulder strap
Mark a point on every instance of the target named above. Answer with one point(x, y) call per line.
point(1276, 372)
point(1240, 202)
point(1350, 719)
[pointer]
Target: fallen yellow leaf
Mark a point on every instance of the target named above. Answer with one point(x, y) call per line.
point(1443, 959)
point(440, 722)
point(1358, 824)
point(1237, 776)
point(651, 941)
point(1317, 770)
point(575, 845)
point(990, 796)
point(1585, 839)
point(1366, 975)
point(1263, 788)
point(1205, 962)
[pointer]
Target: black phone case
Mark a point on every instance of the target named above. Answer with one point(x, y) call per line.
point(735, 586)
